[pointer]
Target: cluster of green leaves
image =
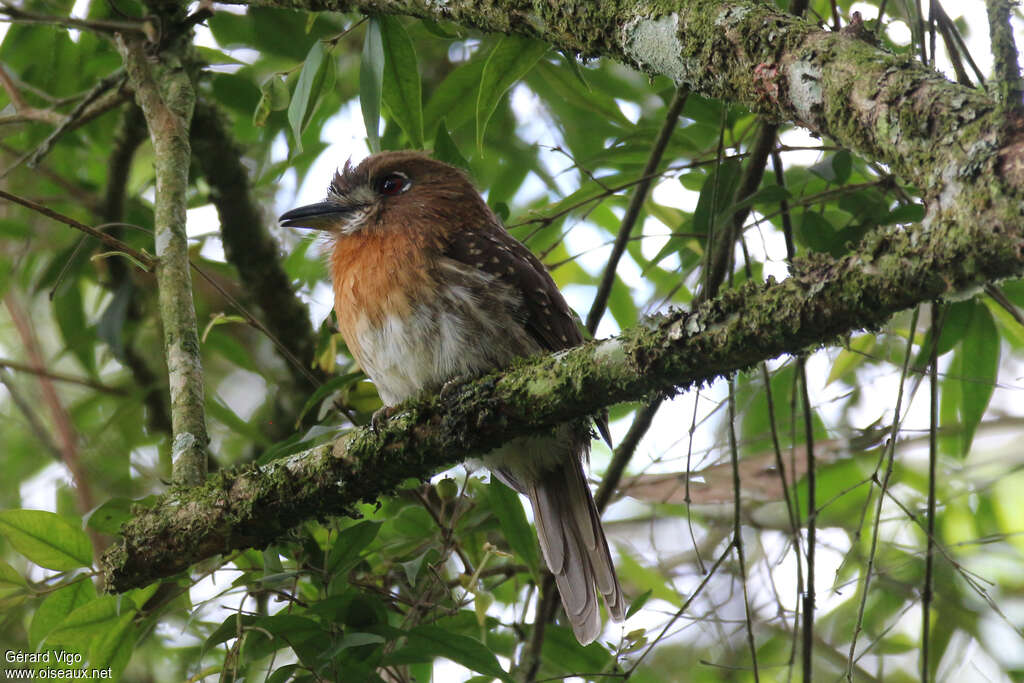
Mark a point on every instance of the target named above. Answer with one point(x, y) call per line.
point(449, 572)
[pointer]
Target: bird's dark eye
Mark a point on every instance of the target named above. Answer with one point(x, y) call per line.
point(392, 184)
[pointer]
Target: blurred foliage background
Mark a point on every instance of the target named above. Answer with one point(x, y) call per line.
point(440, 581)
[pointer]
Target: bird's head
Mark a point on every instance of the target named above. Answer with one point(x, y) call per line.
point(390, 190)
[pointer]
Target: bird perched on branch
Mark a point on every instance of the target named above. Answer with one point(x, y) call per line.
point(429, 286)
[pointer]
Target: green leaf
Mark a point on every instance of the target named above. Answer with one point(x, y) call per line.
point(221, 412)
point(231, 627)
point(716, 194)
point(949, 409)
point(11, 228)
point(956, 320)
point(428, 641)
point(851, 357)
point(835, 168)
point(325, 390)
point(979, 367)
point(635, 573)
point(108, 517)
point(436, 29)
point(768, 195)
point(282, 449)
point(511, 59)
point(371, 81)
point(306, 637)
point(85, 623)
point(621, 305)
point(401, 92)
point(273, 97)
point(350, 544)
point(639, 603)
point(564, 654)
point(56, 607)
point(220, 319)
point(412, 567)
point(817, 232)
point(47, 539)
point(445, 149)
point(574, 90)
point(262, 112)
point(13, 588)
point(70, 314)
point(353, 639)
point(842, 164)
point(110, 328)
point(508, 509)
point(284, 674)
point(906, 213)
point(454, 99)
point(306, 92)
point(113, 648)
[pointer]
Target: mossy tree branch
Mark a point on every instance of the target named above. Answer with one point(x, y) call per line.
point(823, 299)
point(164, 91)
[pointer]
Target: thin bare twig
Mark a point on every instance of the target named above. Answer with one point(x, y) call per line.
point(1004, 302)
point(947, 25)
point(103, 85)
point(71, 189)
point(624, 452)
point(115, 244)
point(12, 90)
point(31, 415)
point(889, 454)
point(737, 527)
point(812, 526)
point(16, 15)
point(636, 203)
point(933, 456)
point(682, 609)
point(61, 377)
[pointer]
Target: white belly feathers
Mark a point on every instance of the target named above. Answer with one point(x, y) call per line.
point(473, 325)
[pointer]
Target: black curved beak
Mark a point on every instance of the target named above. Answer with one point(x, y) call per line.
point(322, 216)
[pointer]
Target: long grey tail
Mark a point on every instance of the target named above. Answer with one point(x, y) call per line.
point(575, 548)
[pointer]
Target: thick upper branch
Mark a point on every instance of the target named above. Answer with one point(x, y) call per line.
point(888, 107)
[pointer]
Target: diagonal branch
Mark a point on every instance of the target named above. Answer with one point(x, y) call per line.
point(636, 203)
point(824, 298)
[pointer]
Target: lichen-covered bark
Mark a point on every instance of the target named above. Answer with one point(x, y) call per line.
point(824, 299)
point(165, 92)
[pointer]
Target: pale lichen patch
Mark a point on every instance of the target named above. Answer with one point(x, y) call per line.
point(805, 89)
point(654, 45)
